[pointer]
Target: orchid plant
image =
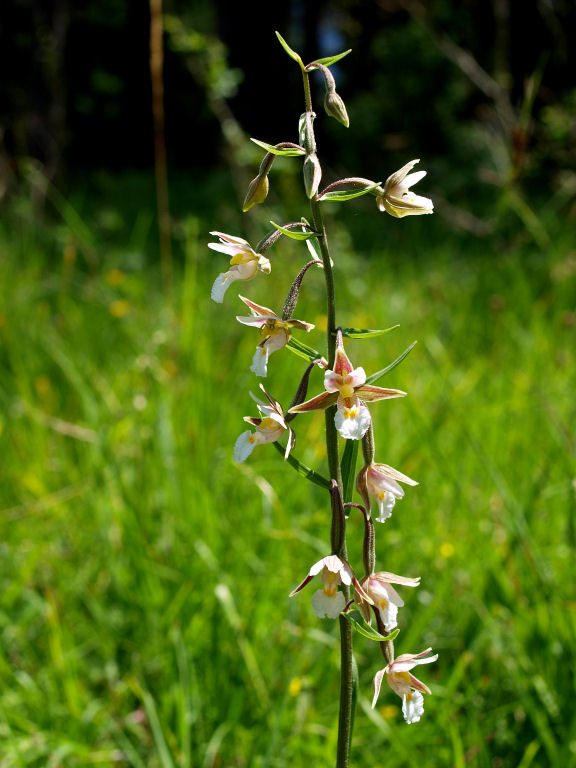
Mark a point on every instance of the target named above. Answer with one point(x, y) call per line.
point(372, 608)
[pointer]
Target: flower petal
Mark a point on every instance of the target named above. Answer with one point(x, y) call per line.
point(319, 402)
point(352, 423)
point(221, 285)
point(371, 394)
point(256, 308)
point(385, 506)
point(230, 239)
point(244, 446)
point(256, 322)
point(377, 684)
point(328, 606)
point(260, 362)
point(412, 706)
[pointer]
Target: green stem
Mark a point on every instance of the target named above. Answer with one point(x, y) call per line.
point(346, 650)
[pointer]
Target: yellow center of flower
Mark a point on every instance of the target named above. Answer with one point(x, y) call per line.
point(351, 413)
point(346, 390)
point(331, 581)
point(268, 423)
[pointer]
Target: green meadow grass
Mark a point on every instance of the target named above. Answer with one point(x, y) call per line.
point(145, 618)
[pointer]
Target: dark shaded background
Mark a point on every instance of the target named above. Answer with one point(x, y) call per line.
point(75, 92)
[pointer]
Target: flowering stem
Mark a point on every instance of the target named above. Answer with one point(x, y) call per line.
point(346, 649)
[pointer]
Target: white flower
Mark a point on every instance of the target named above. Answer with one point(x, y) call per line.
point(328, 602)
point(270, 426)
point(244, 264)
point(398, 200)
point(275, 331)
point(408, 687)
point(383, 483)
point(346, 387)
point(385, 598)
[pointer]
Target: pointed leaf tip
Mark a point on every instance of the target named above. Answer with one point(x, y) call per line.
point(289, 51)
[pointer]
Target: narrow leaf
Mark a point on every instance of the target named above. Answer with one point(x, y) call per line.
point(365, 333)
point(342, 195)
point(282, 151)
point(348, 467)
point(329, 60)
point(362, 627)
point(289, 51)
point(379, 374)
point(303, 350)
point(294, 233)
point(303, 470)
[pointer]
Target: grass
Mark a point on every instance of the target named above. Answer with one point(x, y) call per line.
point(144, 615)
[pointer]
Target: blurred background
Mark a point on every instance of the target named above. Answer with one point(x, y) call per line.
point(144, 616)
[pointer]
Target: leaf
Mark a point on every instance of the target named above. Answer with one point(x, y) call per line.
point(303, 470)
point(379, 374)
point(365, 333)
point(348, 466)
point(289, 51)
point(329, 60)
point(303, 350)
point(281, 151)
point(342, 195)
point(363, 628)
point(294, 234)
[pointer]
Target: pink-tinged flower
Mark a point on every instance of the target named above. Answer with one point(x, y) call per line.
point(384, 597)
point(275, 332)
point(244, 264)
point(408, 687)
point(329, 602)
point(382, 482)
point(270, 426)
point(346, 386)
point(398, 200)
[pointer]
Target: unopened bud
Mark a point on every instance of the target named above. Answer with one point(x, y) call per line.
point(312, 175)
point(335, 107)
point(257, 192)
point(306, 132)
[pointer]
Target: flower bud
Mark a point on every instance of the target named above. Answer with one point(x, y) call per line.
point(312, 174)
point(335, 107)
point(257, 192)
point(306, 132)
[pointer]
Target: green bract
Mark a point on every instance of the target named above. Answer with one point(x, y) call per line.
point(341, 196)
point(365, 333)
point(289, 51)
point(328, 60)
point(303, 350)
point(379, 374)
point(303, 470)
point(362, 627)
point(294, 234)
point(281, 151)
